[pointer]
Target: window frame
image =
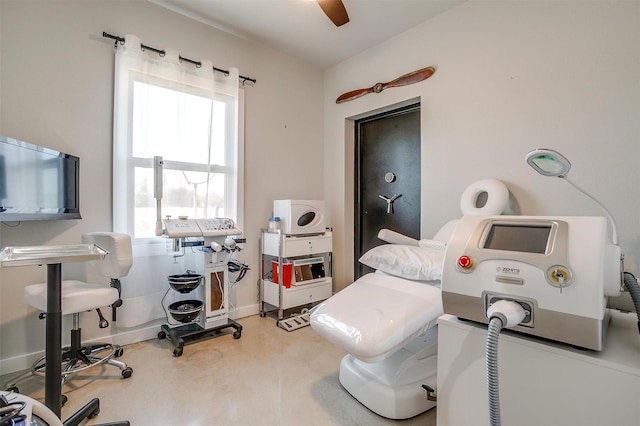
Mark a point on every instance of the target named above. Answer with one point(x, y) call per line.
point(234, 155)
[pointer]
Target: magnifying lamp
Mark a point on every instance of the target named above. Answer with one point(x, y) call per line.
point(548, 162)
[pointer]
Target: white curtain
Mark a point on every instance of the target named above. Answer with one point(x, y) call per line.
point(146, 284)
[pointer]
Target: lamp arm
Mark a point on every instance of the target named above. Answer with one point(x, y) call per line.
point(158, 166)
point(613, 223)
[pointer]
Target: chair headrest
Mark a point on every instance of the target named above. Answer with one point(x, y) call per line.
point(120, 259)
point(497, 198)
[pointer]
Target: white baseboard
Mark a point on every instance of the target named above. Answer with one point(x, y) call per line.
point(122, 337)
point(18, 363)
point(244, 311)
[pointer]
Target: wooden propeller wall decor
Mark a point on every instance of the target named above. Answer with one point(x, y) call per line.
point(335, 10)
point(405, 80)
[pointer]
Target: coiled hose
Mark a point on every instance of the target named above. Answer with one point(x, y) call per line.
point(501, 314)
point(493, 332)
point(631, 284)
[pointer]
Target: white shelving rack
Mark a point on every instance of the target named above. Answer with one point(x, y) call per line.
point(303, 291)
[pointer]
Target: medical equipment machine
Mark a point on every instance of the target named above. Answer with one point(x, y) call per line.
point(206, 311)
point(559, 269)
point(300, 217)
point(190, 320)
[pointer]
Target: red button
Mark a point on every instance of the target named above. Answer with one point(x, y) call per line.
point(465, 262)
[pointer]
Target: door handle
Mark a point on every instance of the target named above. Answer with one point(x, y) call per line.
point(390, 201)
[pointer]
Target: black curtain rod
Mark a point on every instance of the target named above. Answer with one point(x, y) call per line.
point(198, 64)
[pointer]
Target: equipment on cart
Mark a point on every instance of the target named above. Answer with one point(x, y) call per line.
point(205, 312)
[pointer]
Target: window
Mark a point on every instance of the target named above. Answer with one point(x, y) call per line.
point(187, 116)
point(189, 132)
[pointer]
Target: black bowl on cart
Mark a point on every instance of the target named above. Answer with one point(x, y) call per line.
point(185, 310)
point(184, 283)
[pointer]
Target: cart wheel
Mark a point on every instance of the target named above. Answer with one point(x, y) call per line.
point(127, 372)
point(177, 352)
point(237, 334)
point(63, 400)
point(162, 335)
point(119, 352)
point(263, 314)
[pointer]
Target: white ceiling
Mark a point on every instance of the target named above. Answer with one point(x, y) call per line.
point(300, 28)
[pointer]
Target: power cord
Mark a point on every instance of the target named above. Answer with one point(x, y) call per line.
point(235, 266)
point(10, 412)
point(166, 314)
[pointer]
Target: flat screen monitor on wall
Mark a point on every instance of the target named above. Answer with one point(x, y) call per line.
point(37, 183)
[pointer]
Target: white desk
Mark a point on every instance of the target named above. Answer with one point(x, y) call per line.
point(53, 257)
point(541, 383)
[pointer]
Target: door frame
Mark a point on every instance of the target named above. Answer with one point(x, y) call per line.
point(392, 111)
point(344, 236)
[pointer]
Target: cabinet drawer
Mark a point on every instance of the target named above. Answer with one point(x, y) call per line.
point(306, 246)
point(295, 246)
point(297, 295)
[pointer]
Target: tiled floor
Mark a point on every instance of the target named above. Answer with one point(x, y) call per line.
point(267, 377)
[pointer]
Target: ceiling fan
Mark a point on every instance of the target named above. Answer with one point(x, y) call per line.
point(335, 10)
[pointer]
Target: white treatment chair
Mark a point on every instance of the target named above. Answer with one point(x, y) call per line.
point(79, 296)
point(387, 320)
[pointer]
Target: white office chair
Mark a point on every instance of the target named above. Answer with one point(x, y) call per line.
point(79, 296)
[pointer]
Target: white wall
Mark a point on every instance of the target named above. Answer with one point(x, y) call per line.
point(57, 91)
point(511, 76)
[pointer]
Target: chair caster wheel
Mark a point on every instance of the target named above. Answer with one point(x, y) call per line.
point(13, 389)
point(127, 372)
point(119, 352)
point(237, 334)
point(177, 352)
point(162, 335)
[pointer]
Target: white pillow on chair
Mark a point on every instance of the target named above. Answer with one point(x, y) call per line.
point(409, 262)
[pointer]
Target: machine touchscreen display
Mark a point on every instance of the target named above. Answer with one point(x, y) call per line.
point(522, 238)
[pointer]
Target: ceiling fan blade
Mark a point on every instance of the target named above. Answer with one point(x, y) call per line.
point(335, 10)
point(412, 77)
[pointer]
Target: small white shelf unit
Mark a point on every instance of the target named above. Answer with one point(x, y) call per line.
point(283, 248)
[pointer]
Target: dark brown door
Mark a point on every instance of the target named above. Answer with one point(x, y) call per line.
point(387, 178)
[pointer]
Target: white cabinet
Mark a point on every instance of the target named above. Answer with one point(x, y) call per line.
point(541, 383)
point(306, 262)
